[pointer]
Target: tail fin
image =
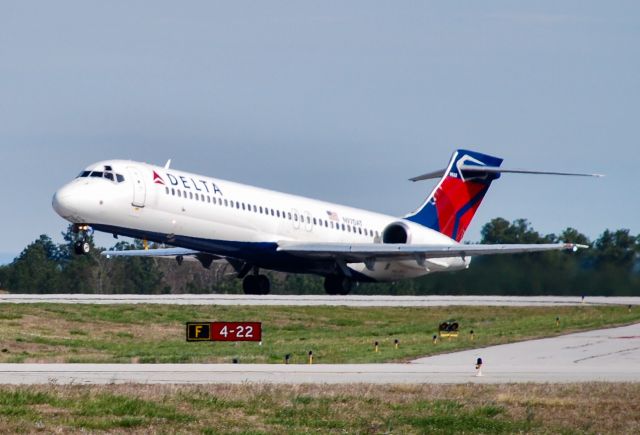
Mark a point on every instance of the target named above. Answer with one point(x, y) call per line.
point(454, 201)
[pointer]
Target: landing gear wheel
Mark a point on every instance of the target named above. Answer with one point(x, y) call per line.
point(337, 285)
point(264, 286)
point(81, 247)
point(250, 285)
point(256, 285)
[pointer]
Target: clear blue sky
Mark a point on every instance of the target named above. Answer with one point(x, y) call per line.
point(341, 101)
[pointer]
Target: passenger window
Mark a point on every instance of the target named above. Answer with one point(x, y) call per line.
point(314, 221)
point(359, 230)
point(237, 205)
point(289, 215)
point(255, 208)
point(278, 213)
point(208, 199)
point(166, 190)
point(272, 213)
point(342, 227)
point(190, 195)
point(180, 194)
point(295, 217)
point(173, 191)
point(226, 204)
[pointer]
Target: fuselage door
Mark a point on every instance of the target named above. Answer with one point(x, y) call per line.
point(139, 188)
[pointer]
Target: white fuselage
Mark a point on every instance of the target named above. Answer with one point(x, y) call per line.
point(230, 219)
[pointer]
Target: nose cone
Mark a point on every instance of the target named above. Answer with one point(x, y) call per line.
point(66, 201)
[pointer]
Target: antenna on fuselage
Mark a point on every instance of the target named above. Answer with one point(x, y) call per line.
point(166, 165)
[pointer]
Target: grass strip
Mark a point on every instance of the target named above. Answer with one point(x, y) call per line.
point(156, 333)
point(260, 408)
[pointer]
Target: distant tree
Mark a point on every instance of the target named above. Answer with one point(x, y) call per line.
point(617, 247)
point(36, 269)
point(137, 275)
point(610, 267)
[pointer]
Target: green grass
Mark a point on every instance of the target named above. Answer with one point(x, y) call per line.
point(156, 333)
point(266, 409)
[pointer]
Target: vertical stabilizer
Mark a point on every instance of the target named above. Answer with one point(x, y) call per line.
point(452, 204)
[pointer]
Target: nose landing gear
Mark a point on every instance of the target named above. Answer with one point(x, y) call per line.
point(82, 246)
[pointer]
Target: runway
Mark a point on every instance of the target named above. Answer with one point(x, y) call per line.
point(611, 355)
point(318, 300)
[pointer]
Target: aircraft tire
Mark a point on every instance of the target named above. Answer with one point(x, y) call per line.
point(264, 285)
point(337, 285)
point(250, 285)
point(81, 247)
point(345, 286)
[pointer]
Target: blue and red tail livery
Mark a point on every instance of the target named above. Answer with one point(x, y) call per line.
point(454, 201)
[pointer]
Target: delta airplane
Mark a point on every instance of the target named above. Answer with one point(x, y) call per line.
point(207, 219)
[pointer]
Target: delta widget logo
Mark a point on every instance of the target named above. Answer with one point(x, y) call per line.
point(157, 179)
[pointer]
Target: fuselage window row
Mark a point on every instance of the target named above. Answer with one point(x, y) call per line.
point(265, 210)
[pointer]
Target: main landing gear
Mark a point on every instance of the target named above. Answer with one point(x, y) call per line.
point(82, 246)
point(337, 285)
point(255, 284)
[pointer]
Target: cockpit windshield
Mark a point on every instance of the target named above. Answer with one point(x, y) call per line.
point(108, 174)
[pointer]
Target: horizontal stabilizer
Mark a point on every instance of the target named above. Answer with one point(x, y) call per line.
point(474, 169)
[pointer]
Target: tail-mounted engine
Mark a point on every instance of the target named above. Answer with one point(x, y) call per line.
point(397, 232)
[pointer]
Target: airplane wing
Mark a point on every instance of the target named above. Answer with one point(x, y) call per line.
point(180, 254)
point(160, 252)
point(361, 252)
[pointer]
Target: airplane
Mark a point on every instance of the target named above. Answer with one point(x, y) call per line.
point(207, 219)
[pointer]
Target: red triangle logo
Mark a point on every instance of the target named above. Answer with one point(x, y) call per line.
point(157, 178)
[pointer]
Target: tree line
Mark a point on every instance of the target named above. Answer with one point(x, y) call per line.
point(610, 267)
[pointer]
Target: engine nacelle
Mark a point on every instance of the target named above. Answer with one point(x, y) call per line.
point(396, 232)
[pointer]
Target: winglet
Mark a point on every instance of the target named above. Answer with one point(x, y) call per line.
point(575, 246)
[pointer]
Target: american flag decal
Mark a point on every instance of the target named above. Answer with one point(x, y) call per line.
point(332, 215)
point(157, 179)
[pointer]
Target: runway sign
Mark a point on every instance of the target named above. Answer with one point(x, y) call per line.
point(224, 331)
point(236, 331)
point(198, 331)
